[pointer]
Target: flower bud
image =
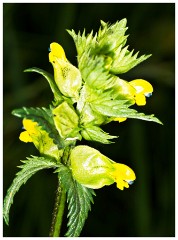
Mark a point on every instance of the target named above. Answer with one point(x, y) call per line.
point(67, 77)
point(94, 170)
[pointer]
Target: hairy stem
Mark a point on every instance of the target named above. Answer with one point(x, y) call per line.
point(58, 212)
point(60, 198)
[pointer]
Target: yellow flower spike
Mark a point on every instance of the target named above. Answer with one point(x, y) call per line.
point(94, 170)
point(143, 89)
point(123, 175)
point(67, 77)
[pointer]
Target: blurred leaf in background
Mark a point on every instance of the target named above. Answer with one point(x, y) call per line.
point(147, 209)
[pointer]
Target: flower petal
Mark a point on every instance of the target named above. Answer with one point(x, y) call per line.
point(121, 119)
point(140, 99)
point(25, 137)
point(123, 175)
point(56, 52)
point(141, 86)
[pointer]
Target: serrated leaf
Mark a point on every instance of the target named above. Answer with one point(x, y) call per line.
point(79, 200)
point(44, 118)
point(84, 44)
point(124, 60)
point(57, 94)
point(111, 36)
point(94, 72)
point(28, 169)
point(95, 133)
point(122, 111)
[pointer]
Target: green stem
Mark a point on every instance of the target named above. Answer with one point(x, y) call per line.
point(60, 199)
point(58, 212)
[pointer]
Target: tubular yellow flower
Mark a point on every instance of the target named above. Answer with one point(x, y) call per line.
point(123, 175)
point(40, 138)
point(67, 77)
point(136, 90)
point(143, 89)
point(94, 170)
point(56, 52)
point(30, 127)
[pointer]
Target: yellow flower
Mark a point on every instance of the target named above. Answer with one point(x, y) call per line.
point(123, 175)
point(94, 170)
point(57, 52)
point(40, 138)
point(67, 77)
point(31, 131)
point(137, 90)
point(143, 89)
point(119, 119)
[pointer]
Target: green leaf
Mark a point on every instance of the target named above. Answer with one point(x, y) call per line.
point(92, 65)
point(44, 118)
point(111, 36)
point(105, 48)
point(122, 111)
point(28, 169)
point(95, 73)
point(124, 60)
point(57, 94)
point(95, 133)
point(79, 200)
point(84, 44)
point(89, 95)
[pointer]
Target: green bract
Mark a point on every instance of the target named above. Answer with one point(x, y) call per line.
point(66, 121)
point(86, 97)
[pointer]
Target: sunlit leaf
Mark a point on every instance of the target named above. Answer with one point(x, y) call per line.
point(79, 200)
point(28, 169)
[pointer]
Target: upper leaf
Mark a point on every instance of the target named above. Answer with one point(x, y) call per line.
point(95, 73)
point(109, 47)
point(29, 168)
point(111, 36)
point(122, 111)
point(84, 44)
point(79, 200)
point(124, 60)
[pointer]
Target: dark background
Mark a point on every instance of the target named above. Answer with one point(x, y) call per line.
point(147, 208)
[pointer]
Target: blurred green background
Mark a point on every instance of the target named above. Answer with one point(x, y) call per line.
point(147, 208)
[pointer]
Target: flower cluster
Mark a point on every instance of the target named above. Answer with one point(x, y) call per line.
point(86, 98)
